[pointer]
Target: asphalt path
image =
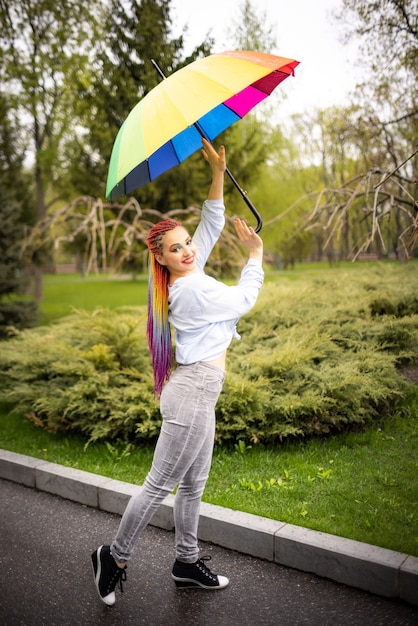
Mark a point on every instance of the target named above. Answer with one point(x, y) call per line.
point(46, 578)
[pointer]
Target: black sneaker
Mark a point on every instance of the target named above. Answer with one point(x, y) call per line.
point(107, 574)
point(197, 575)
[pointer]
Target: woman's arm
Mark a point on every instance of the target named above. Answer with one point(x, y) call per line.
point(212, 219)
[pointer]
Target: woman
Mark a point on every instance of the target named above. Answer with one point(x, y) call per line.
point(203, 313)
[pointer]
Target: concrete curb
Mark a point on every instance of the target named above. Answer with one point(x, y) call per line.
point(377, 570)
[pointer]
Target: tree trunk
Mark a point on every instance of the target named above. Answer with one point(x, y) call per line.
point(37, 283)
point(41, 211)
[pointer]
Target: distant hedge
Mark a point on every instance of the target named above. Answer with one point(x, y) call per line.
point(317, 355)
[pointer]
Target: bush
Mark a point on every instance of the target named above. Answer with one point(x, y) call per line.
point(16, 315)
point(88, 373)
point(314, 358)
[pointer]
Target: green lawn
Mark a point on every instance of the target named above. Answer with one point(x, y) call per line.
point(63, 293)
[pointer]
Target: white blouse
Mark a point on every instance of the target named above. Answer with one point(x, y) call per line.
point(203, 311)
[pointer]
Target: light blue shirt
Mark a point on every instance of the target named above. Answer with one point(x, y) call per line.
point(203, 311)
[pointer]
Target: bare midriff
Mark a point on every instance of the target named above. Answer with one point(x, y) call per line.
point(219, 362)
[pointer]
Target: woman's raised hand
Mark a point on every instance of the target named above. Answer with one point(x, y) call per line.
point(217, 160)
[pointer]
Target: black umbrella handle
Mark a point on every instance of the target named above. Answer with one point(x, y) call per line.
point(241, 191)
point(247, 202)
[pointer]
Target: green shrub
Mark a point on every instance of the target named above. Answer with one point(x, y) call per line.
point(399, 308)
point(88, 373)
point(314, 358)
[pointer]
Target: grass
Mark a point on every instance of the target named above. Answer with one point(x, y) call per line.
point(360, 485)
point(63, 293)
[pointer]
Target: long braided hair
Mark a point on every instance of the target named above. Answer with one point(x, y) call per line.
point(158, 327)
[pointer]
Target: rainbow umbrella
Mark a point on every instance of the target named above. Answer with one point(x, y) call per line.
point(201, 99)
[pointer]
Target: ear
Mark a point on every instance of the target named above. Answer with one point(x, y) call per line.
point(160, 259)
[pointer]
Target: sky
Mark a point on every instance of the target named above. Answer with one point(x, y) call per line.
point(303, 30)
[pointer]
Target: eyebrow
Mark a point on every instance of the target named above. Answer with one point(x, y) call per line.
point(173, 245)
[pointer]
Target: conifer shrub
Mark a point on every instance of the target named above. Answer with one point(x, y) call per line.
point(315, 357)
point(88, 373)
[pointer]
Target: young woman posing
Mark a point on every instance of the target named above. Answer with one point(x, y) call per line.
point(203, 313)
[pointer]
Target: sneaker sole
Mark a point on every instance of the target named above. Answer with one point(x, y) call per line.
point(184, 583)
point(97, 569)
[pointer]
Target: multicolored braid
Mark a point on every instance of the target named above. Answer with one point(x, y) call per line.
point(158, 327)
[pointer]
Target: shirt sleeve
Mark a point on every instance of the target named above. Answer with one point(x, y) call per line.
point(207, 233)
point(210, 301)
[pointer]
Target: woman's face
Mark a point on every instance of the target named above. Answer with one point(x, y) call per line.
point(178, 253)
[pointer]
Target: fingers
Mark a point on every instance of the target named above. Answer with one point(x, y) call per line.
point(244, 232)
point(247, 234)
point(210, 154)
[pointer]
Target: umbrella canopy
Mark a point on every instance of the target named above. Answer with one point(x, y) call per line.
point(202, 99)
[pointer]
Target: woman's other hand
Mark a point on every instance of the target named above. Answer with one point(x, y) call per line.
point(250, 239)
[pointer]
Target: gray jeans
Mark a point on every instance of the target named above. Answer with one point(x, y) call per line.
point(182, 457)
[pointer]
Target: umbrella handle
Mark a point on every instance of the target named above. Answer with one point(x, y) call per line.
point(247, 202)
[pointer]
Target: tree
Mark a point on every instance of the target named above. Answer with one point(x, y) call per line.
point(134, 32)
point(388, 32)
point(251, 141)
point(15, 208)
point(16, 182)
point(41, 44)
point(249, 30)
point(15, 313)
point(368, 197)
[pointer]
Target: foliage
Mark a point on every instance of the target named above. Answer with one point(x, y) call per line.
point(314, 358)
point(89, 374)
point(14, 313)
point(133, 33)
point(389, 30)
point(41, 45)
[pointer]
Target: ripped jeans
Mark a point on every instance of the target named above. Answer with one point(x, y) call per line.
point(183, 456)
